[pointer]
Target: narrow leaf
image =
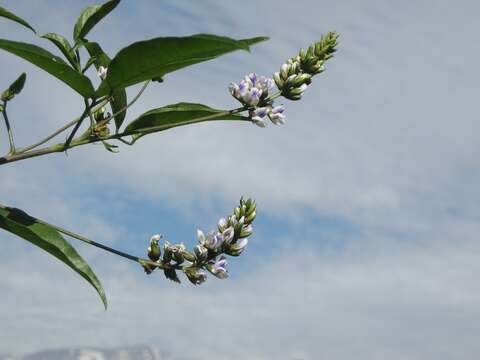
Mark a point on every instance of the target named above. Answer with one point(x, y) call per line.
point(7, 14)
point(91, 16)
point(51, 64)
point(119, 96)
point(47, 238)
point(64, 46)
point(154, 58)
point(177, 115)
point(14, 89)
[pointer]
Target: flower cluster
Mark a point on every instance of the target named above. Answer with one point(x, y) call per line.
point(230, 238)
point(296, 74)
point(253, 92)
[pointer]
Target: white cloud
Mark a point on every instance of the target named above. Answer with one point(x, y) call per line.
point(385, 139)
point(382, 299)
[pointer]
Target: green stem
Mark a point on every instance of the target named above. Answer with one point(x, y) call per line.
point(136, 259)
point(59, 131)
point(9, 129)
point(144, 87)
point(83, 141)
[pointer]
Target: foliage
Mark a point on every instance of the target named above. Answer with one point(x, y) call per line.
point(143, 62)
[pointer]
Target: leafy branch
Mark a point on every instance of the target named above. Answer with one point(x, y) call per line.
point(144, 62)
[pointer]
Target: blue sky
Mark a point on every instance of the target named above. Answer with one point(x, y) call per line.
point(366, 243)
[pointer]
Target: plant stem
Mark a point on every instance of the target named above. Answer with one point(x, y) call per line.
point(59, 131)
point(104, 121)
point(9, 129)
point(136, 259)
point(83, 141)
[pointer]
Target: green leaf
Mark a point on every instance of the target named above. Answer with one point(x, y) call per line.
point(177, 115)
point(47, 238)
point(7, 14)
point(15, 88)
point(51, 64)
point(156, 57)
point(91, 16)
point(119, 96)
point(64, 46)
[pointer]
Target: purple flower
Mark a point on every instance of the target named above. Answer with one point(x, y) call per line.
point(251, 89)
point(218, 267)
point(276, 115)
point(212, 241)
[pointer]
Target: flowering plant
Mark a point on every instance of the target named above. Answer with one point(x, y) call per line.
point(144, 62)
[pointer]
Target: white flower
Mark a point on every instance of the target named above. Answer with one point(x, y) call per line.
point(155, 238)
point(237, 248)
point(218, 267)
point(276, 115)
point(102, 72)
point(222, 224)
point(228, 235)
point(201, 252)
point(212, 241)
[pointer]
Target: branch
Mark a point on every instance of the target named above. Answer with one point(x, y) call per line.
point(9, 130)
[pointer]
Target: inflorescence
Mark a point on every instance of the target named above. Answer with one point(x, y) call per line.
point(292, 80)
point(230, 238)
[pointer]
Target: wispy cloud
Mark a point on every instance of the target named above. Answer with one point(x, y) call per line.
point(384, 143)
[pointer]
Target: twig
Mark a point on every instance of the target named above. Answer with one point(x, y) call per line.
point(9, 129)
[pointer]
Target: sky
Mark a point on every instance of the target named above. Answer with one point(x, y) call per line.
point(366, 242)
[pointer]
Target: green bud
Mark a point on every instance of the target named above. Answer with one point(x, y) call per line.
point(15, 88)
point(302, 54)
point(188, 256)
point(251, 208)
point(236, 211)
point(243, 210)
point(278, 80)
point(154, 251)
point(239, 225)
point(250, 217)
point(7, 95)
point(167, 252)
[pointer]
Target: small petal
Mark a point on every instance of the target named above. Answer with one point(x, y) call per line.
point(222, 224)
point(200, 236)
point(261, 112)
point(155, 238)
point(233, 88)
point(228, 235)
point(259, 122)
point(253, 78)
point(278, 109)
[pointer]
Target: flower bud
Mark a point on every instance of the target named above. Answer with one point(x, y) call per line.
point(251, 217)
point(195, 275)
point(222, 224)
point(246, 231)
point(154, 251)
point(201, 253)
